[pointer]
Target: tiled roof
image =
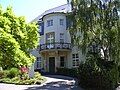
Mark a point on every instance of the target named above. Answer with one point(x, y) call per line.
point(63, 8)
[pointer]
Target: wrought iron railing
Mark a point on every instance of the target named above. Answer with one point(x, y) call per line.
point(55, 46)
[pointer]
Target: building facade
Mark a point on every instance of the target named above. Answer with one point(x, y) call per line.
point(55, 47)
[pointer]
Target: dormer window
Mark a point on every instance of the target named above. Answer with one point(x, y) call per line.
point(49, 23)
point(61, 21)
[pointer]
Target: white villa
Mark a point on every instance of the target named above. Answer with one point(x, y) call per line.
point(55, 47)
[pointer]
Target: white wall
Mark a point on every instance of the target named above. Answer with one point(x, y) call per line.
point(41, 39)
point(36, 54)
point(57, 28)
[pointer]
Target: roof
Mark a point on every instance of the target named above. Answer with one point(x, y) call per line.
point(63, 9)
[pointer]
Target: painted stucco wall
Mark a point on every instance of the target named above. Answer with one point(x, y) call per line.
point(35, 53)
point(57, 28)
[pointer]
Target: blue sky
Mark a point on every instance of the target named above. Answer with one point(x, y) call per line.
point(31, 8)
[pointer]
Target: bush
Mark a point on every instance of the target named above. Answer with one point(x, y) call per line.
point(37, 75)
point(26, 82)
point(13, 72)
point(73, 72)
point(1, 69)
point(5, 80)
point(13, 76)
point(6, 72)
point(25, 76)
point(1, 74)
point(89, 77)
point(15, 80)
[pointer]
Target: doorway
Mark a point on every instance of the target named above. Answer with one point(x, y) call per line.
point(52, 64)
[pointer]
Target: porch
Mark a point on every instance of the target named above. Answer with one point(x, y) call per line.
point(54, 59)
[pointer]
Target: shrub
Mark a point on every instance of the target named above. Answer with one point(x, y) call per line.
point(24, 69)
point(13, 72)
point(23, 76)
point(89, 77)
point(37, 79)
point(1, 69)
point(26, 82)
point(5, 80)
point(1, 74)
point(73, 72)
point(15, 80)
point(37, 75)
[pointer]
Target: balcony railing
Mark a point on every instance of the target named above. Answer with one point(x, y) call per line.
point(55, 46)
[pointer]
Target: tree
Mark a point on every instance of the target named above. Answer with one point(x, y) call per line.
point(98, 22)
point(17, 38)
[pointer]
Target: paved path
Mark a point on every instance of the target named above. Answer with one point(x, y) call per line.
point(54, 82)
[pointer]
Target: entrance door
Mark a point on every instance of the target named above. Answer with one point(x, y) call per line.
point(52, 64)
point(62, 61)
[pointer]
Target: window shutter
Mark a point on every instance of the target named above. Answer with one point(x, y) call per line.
point(41, 27)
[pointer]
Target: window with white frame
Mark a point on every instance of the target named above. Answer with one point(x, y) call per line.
point(49, 23)
point(61, 21)
point(38, 63)
point(50, 39)
point(75, 58)
point(61, 37)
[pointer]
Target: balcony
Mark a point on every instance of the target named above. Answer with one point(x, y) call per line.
point(64, 46)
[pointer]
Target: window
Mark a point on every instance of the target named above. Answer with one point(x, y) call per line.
point(75, 58)
point(50, 39)
point(94, 48)
point(61, 37)
point(62, 62)
point(61, 21)
point(38, 62)
point(49, 23)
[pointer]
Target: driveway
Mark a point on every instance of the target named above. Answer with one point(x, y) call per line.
point(54, 82)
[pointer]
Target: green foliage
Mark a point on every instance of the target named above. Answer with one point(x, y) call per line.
point(68, 72)
point(24, 76)
point(1, 69)
point(9, 73)
point(1, 74)
point(37, 75)
point(6, 80)
point(91, 77)
point(13, 72)
point(13, 78)
point(98, 24)
point(17, 38)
